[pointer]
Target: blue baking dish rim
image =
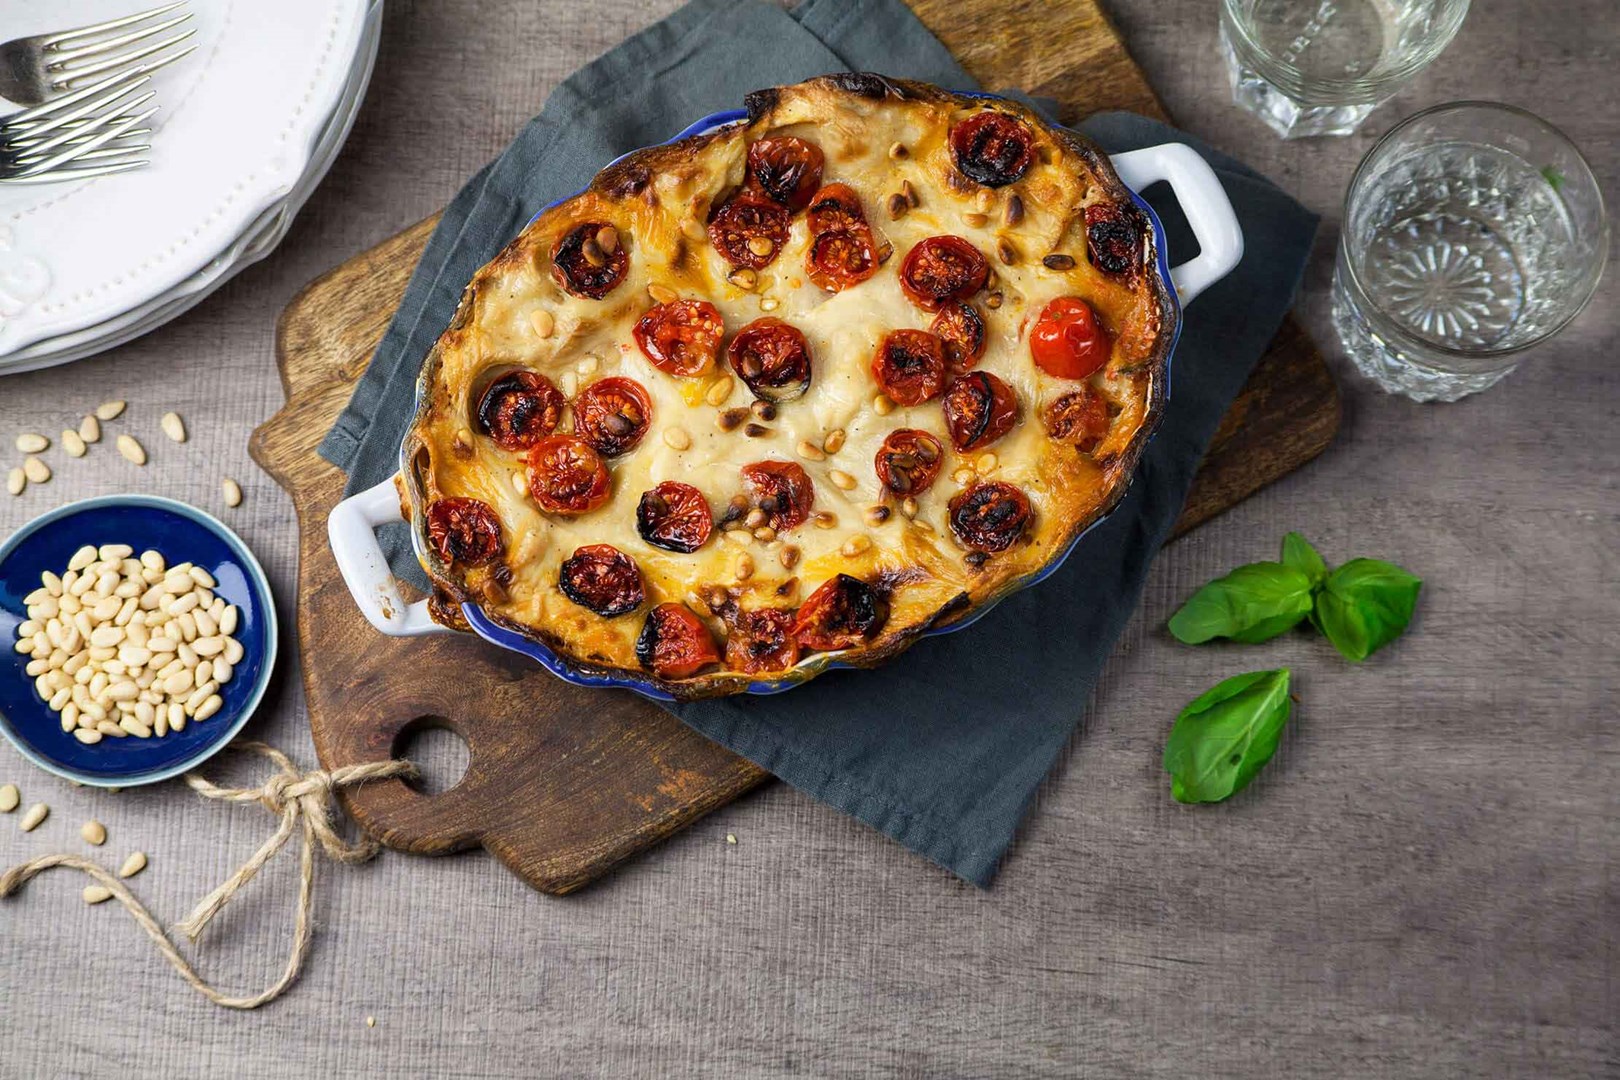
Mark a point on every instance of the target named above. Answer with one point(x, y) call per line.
point(511, 639)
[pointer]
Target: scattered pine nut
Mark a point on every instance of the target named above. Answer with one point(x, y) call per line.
point(9, 798)
point(661, 294)
point(31, 443)
point(834, 441)
point(133, 865)
point(90, 429)
point(676, 438)
point(96, 894)
point(109, 410)
point(36, 814)
point(719, 391)
point(810, 451)
point(36, 470)
point(858, 544)
point(543, 322)
point(882, 404)
point(233, 492)
point(93, 832)
point(73, 443)
point(173, 426)
point(841, 479)
point(975, 221)
point(132, 450)
point(16, 481)
point(371, 1021)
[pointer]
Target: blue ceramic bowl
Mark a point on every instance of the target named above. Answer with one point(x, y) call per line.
point(181, 533)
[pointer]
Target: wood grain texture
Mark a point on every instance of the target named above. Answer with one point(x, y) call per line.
point(564, 781)
point(1425, 882)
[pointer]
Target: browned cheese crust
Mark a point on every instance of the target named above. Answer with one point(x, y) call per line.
point(883, 138)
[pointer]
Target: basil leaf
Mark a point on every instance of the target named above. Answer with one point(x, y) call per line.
point(1251, 604)
point(1226, 736)
point(1298, 553)
point(1364, 605)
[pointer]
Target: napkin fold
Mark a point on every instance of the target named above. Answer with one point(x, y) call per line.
point(944, 747)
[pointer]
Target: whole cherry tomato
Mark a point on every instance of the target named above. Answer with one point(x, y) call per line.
point(1067, 341)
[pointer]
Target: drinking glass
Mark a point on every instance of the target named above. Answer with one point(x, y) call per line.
point(1472, 232)
point(1318, 67)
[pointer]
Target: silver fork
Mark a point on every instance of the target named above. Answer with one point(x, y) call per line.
point(35, 70)
point(82, 134)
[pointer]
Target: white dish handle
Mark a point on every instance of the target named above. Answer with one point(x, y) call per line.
point(352, 530)
point(1203, 201)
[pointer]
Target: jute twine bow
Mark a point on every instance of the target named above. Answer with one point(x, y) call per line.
point(302, 801)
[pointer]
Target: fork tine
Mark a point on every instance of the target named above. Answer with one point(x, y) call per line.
point(100, 126)
point(61, 58)
point(28, 117)
point(86, 173)
point(121, 62)
point(82, 131)
point(114, 152)
point(74, 152)
point(110, 24)
point(94, 111)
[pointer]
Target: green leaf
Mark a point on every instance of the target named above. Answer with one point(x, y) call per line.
point(1553, 177)
point(1364, 605)
point(1253, 603)
point(1226, 736)
point(1298, 553)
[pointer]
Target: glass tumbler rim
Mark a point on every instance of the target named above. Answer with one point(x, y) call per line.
point(1593, 276)
point(1352, 91)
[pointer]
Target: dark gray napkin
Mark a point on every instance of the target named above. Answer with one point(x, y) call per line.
point(943, 748)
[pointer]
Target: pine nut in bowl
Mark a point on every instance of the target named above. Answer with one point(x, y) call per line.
point(166, 610)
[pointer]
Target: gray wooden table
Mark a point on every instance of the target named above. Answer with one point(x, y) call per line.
point(1423, 883)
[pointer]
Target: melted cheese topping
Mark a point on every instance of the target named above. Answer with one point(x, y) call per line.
point(662, 229)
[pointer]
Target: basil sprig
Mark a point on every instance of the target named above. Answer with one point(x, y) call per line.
point(1360, 607)
point(1226, 735)
point(1364, 605)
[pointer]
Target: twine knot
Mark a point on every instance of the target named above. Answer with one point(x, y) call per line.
point(303, 802)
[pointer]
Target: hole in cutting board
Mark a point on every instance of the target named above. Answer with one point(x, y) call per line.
point(439, 751)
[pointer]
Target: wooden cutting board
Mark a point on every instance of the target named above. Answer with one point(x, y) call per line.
point(564, 782)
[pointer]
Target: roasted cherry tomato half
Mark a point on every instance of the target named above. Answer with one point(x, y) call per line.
point(582, 267)
point(1066, 341)
point(783, 490)
point(787, 169)
point(674, 643)
point(842, 613)
point(961, 328)
point(612, 415)
point(762, 640)
point(835, 208)
point(682, 337)
point(674, 516)
point(910, 366)
point(1080, 417)
point(979, 409)
point(838, 260)
point(519, 408)
point(566, 476)
point(603, 579)
point(749, 230)
point(908, 461)
point(771, 358)
point(989, 516)
point(464, 531)
point(941, 269)
point(992, 148)
point(1113, 237)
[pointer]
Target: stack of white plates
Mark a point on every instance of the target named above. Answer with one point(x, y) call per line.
point(248, 125)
